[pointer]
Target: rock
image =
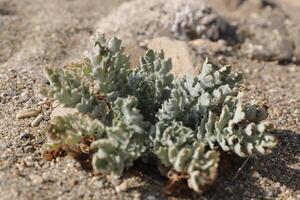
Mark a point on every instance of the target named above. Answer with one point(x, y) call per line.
point(32, 112)
point(184, 19)
point(294, 30)
point(8, 93)
point(135, 52)
point(207, 44)
point(213, 51)
point(36, 179)
point(46, 117)
point(200, 22)
point(25, 136)
point(24, 96)
point(183, 58)
point(37, 120)
point(267, 37)
point(211, 48)
point(60, 111)
point(151, 197)
point(137, 196)
point(122, 187)
point(115, 180)
point(227, 5)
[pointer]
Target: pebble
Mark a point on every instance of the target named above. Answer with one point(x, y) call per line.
point(29, 161)
point(46, 81)
point(122, 187)
point(137, 196)
point(100, 183)
point(24, 97)
point(269, 193)
point(32, 112)
point(43, 101)
point(25, 136)
point(151, 197)
point(37, 120)
point(46, 176)
point(46, 117)
point(115, 180)
point(8, 93)
point(36, 179)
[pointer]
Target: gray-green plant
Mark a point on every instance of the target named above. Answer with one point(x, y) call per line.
point(184, 123)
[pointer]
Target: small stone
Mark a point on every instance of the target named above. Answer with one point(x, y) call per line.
point(46, 176)
point(24, 97)
point(36, 179)
point(25, 136)
point(32, 112)
point(151, 197)
point(269, 194)
point(46, 81)
point(137, 196)
point(37, 120)
point(100, 183)
point(122, 187)
point(43, 101)
point(46, 117)
point(204, 46)
point(8, 93)
point(29, 161)
point(73, 182)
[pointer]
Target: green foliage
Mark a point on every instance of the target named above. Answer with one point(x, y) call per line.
point(184, 122)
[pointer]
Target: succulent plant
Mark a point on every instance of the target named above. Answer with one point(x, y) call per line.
point(185, 123)
point(177, 147)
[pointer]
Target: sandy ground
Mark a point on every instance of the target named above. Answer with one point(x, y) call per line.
point(35, 33)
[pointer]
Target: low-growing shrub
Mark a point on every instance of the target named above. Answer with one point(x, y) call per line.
point(124, 114)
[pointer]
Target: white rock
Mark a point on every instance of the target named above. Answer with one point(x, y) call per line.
point(36, 179)
point(122, 187)
point(32, 112)
point(37, 120)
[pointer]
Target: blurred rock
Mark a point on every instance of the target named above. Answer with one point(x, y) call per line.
point(294, 31)
point(184, 19)
point(206, 46)
point(135, 52)
point(32, 112)
point(267, 37)
point(25, 136)
point(183, 58)
point(37, 120)
point(226, 4)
